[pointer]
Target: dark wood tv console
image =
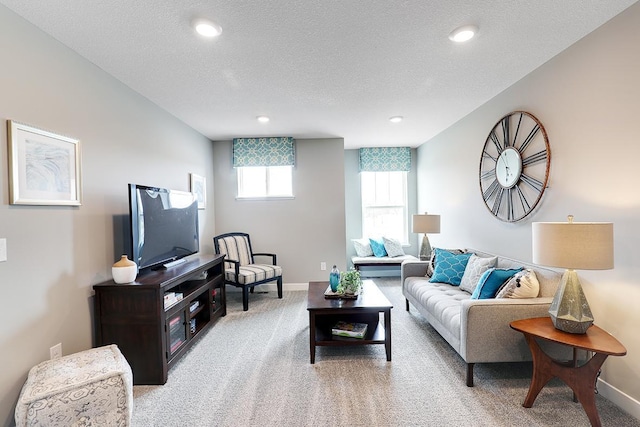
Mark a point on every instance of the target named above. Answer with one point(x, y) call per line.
point(151, 336)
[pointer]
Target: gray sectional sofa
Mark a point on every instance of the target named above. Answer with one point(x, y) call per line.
point(478, 329)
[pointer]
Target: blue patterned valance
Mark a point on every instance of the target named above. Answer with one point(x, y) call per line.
point(385, 159)
point(271, 151)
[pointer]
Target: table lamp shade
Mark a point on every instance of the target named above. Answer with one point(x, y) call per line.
point(572, 245)
point(425, 223)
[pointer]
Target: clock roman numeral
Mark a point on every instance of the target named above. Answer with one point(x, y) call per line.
point(515, 137)
point(491, 190)
point(496, 141)
point(510, 210)
point(488, 174)
point(485, 154)
point(529, 138)
point(505, 132)
point(534, 183)
point(526, 206)
point(498, 202)
point(534, 158)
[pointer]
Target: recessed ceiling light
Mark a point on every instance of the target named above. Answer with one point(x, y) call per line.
point(263, 119)
point(463, 34)
point(206, 28)
point(396, 119)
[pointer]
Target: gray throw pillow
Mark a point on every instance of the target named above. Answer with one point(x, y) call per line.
point(393, 247)
point(474, 269)
point(362, 247)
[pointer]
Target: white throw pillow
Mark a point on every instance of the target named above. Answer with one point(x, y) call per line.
point(474, 269)
point(523, 285)
point(393, 247)
point(362, 247)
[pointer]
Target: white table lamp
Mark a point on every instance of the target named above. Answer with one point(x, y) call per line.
point(574, 246)
point(425, 223)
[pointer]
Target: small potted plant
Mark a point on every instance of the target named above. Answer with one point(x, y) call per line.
point(350, 282)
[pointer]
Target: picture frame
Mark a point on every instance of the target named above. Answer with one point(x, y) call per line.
point(199, 188)
point(44, 167)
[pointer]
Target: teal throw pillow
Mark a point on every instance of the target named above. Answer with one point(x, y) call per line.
point(377, 245)
point(491, 280)
point(449, 268)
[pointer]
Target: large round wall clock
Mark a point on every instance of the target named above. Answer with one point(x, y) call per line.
point(514, 167)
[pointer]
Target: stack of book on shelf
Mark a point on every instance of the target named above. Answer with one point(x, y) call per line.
point(171, 298)
point(349, 329)
point(193, 306)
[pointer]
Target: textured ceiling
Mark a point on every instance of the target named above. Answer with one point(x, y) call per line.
point(332, 68)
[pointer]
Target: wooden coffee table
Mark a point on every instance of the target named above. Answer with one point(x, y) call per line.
point(325, 312)
point(581, 379)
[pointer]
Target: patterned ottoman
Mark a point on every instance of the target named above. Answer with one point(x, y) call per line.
point(92, 387)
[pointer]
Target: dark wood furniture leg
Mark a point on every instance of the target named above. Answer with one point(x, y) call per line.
point(387, 331)
point(312, 337)
point(582, 379)
point(469, 374)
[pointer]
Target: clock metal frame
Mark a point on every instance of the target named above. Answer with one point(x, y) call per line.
point(512, 186)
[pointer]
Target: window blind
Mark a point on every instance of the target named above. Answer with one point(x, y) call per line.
point(270, 151)
point(385, 159)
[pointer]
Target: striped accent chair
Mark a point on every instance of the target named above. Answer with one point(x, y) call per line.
point(241, 270)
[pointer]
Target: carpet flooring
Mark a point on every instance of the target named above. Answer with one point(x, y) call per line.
point(252, 369)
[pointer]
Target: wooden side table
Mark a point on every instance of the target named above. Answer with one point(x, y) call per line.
point(581, 379)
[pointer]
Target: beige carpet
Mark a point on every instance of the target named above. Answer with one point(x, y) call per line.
point(252, 369)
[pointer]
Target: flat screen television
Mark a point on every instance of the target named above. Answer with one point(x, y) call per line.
point(164, 225)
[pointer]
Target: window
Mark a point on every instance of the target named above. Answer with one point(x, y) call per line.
point(384, 205)
point(265, 181)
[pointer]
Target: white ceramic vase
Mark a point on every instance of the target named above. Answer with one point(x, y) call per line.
point(124, 271)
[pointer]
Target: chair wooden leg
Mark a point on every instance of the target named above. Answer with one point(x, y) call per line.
point(279, 287)
point(245, 298)
point(406, 301)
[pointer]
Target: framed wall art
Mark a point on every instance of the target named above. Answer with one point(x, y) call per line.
point(44, 168)
point(199, 188)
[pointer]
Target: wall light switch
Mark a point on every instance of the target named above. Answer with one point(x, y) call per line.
point(3, 250)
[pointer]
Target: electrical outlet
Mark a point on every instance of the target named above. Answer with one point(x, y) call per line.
point(323, 266)
point(55, 352)
point(3, 250)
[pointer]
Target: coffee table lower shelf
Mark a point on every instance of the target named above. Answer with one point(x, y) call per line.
point(375, 332)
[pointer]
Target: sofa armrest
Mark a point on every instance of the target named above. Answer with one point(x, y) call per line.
point(485, 334)
point(413, 268)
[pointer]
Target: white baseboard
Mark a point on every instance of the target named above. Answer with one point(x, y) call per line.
point(271, 287)
point(618, 398)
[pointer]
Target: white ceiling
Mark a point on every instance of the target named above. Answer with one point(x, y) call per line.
point(319, 69)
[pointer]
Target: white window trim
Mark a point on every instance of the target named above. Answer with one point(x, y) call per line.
point(264, 197)
point(405, 242)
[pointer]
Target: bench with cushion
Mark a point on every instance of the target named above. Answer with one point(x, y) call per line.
point(377, 252)
point(373, 261)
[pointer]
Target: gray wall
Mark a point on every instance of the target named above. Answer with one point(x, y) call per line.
point(56, 254)
point(303, 231)
point(588, 99)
